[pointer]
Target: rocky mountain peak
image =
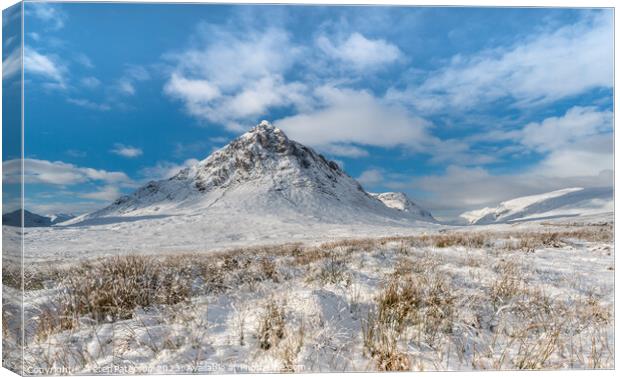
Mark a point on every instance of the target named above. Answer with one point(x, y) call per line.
point(262, 171)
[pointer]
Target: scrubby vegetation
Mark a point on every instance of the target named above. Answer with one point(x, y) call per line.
point(461, 300)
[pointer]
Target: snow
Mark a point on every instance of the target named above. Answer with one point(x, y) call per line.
point(260, 172)
point(401, 202)
point(203, 335)
point(568, 202)
point(264, 189)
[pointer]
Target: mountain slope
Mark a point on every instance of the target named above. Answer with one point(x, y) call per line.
point(33, 220)
point(568, 202)
point(260, 172)
point(401, 202)
point(30, 219)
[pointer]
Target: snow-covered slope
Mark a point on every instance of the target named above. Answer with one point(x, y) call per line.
point(401, 202)
point(58, 218)
point(261, 172)
point(568, 202)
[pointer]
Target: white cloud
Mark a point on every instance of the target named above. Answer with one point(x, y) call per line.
point(554, 65)
point(131, 75)
point(356, 117)
point(371, 177)
point(231, 77)
point(12, 64)
point(126, 87)
point(573, 127)
point(195, 92)
point(44, 66)
point(461, 189)
point(58, 173)
point(90, 82)
point(89, 104)
point(84, 60)
point(76, 153)
point(166, 169)
point(360, 52)
point(126, 150)
point(48, 13)
point(106, 193)
point(344, 150)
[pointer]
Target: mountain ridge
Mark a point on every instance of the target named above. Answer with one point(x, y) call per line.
point(261, 171)
point(568, 202)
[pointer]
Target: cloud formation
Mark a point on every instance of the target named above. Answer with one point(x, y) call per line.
point(360, 52)
point(46, 67)
point(59, 173)
point(553, 65)
point(244, 77)
point(350, 116)
point(126, 150)
point(166, 169)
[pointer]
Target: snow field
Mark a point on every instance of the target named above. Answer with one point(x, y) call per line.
point(494, 298)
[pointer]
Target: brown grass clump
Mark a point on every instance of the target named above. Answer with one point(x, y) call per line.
point(420, 302)
point(271, 325)
point(33, 277)
point(110, 289)
point(508, 284)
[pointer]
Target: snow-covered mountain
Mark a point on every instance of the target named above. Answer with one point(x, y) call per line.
point(261, 172)
point(568, 202)
point(32, 219)
point(58, 218)
point(401, 202)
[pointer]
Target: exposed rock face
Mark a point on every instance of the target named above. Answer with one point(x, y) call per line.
point(262, 171)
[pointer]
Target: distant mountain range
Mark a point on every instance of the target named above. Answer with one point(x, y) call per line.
point(33, 219)
point(568, 202)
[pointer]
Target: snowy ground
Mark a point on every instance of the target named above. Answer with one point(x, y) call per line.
point(190, 233)
point(531, 296)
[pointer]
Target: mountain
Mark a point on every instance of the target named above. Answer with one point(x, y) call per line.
point(30, 219)
point(262, 172)
point(568, 202)
point(58, 218)
point(33, 219)
point(400, 201)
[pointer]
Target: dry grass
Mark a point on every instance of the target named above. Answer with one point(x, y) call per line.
point(416, 300)
point(111, 289)
point(497, 321)
point(271, 328)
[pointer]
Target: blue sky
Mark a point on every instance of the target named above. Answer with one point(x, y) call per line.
point(458, 107)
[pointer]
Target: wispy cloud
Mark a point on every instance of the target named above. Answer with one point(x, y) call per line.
point(371, 177)
point(359, 52)
point(47, 67)
point(90, 82)
point(126, 150)
point(87, 104)
point(356, 117)
point(166, 169)
point(106, 193)
point(133, 73)
point(244, 79)
point(51, 14)
point(12, 64)
point(553, 65)
point(576, 149)
point(59, 173)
